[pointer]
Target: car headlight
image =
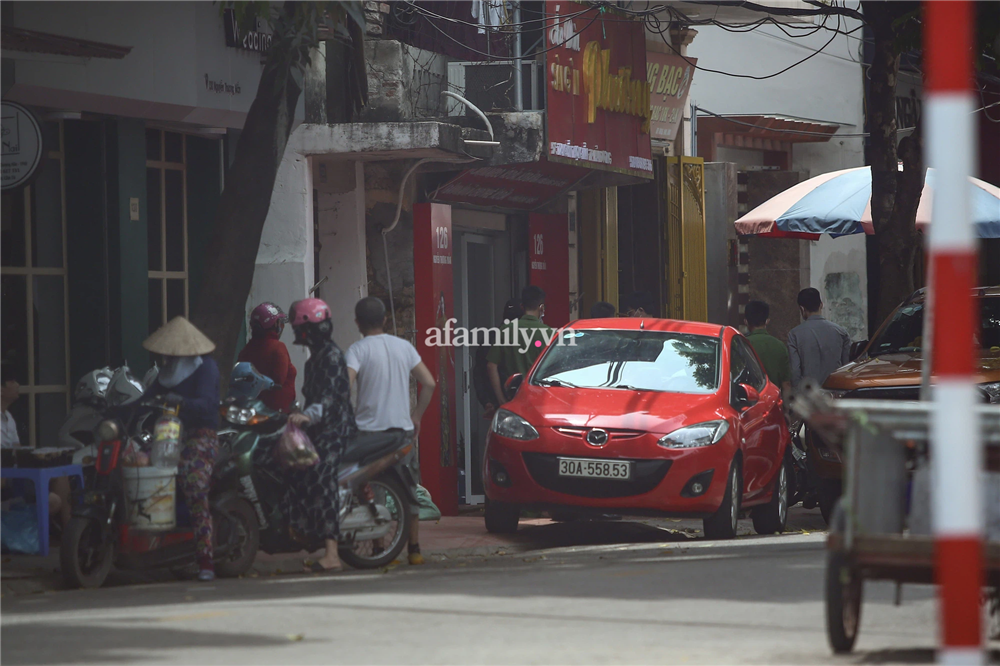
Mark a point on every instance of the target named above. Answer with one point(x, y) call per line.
point(993, 391)
point(701, 434)
point(239, 416)
point(108, 431)
point(509, 424)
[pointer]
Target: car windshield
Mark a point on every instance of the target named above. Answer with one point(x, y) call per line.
point(905, 332)
point(635, 360)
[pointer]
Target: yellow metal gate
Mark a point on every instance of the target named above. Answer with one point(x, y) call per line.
point(685, 271)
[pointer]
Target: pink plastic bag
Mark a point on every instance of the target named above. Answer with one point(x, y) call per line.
point(294, 450)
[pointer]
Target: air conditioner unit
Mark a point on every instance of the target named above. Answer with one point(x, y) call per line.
point(492, 86)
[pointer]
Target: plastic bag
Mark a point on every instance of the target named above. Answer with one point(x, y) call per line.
point(19, 529)
point(294, 450)
point(428, 510)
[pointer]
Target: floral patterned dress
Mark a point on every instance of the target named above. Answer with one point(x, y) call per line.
point(313, 505)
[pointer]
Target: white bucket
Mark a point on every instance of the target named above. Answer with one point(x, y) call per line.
point(151, 492)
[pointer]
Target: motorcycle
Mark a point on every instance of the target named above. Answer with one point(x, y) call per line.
point(95, 393)
point(107, 529)
point(375, 495)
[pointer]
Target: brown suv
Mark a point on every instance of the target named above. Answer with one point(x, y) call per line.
point(889, 368)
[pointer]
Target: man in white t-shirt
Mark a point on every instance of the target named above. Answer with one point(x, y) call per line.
point(59, 488)
point(8, 395)
point(381, 366)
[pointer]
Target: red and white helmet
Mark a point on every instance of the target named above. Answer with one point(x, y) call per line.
point(267, 316)
point(310, 311)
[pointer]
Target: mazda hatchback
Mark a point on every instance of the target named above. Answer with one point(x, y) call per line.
point(642, 417)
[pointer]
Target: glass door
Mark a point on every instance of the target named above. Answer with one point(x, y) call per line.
point(478, 310)
point(35, 307)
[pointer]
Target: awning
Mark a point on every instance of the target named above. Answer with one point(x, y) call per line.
point(32, 41)
point(762, 132)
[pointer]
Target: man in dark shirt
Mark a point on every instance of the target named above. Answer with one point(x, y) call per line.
point(522, 341)
point(772, 351)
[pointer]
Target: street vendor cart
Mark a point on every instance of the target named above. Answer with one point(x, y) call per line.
point(881, 528)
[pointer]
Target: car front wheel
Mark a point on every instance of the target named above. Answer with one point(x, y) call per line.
point(502, 518)
point(723, 523)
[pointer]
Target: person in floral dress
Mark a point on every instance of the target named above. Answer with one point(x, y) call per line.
point(313, 501)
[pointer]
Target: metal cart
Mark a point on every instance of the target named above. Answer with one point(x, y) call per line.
point(880, 529)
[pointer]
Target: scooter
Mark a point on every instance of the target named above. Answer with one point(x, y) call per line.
point(374, 486)
point(103, 531)
point(95, 393)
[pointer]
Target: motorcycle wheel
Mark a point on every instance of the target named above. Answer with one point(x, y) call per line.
point(84, 558)
point(362, 554)
point(246, 540)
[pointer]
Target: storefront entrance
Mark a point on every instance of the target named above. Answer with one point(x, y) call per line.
point(475, 307)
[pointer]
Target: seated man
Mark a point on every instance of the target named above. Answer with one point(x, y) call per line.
point(381, 365)
point(59, 490)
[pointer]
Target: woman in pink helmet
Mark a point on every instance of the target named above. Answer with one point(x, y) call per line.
point(313, 503)
point(269, 355)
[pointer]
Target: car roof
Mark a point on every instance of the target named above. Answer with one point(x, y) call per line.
point(920, 295)
point(649, 324)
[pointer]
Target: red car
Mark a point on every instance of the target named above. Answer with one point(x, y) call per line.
point(642, 417)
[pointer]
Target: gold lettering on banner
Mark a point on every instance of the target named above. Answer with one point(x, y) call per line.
point(564, 77)
point(619, 92)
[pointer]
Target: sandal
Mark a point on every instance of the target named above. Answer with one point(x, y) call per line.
point(316, 567)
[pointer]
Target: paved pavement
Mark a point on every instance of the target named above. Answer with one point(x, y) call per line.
point(578, 593)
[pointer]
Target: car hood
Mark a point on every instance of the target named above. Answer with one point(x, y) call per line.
point(647, 411)
point(903, 369)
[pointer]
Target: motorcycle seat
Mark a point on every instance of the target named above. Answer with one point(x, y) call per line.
point(366, 447)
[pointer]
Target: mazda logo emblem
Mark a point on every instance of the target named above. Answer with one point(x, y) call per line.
point(597, 437)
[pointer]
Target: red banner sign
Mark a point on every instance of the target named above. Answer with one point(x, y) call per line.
point(433, 290)
point(598, 109)
point(549, 252)
point(669, 82)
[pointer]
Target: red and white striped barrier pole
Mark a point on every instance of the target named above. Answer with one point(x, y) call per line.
point(956, 451)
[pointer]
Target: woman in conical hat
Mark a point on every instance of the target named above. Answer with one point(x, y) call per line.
point(189, 373)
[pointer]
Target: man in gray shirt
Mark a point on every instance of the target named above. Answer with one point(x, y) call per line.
point(816, 347)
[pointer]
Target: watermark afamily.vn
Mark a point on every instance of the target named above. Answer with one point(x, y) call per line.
point(512, 335)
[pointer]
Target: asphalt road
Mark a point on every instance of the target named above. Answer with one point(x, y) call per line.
point(667, 600)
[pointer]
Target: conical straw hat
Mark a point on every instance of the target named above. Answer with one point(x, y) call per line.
point(179, 338)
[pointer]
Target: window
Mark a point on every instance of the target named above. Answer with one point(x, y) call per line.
point(904, 334)
point(633, 360)
point(166, 225)
point(34, 300)
point(744, 368)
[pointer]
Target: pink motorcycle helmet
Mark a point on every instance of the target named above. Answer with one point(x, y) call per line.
point(268, 317)
point(309, 311)
point(312, 322)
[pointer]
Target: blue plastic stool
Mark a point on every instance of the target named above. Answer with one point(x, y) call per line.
point(41, 476)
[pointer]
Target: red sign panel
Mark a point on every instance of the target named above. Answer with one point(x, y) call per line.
point(433, 290)
point(669, 82)
point(598, 109)
point(519, 186)
point(549, 253)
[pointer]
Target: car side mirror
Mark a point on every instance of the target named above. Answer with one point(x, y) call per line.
point(513, 384)
point(746, 396)
point(858, 348)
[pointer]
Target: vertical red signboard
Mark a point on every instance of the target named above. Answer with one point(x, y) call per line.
point(434, 305)
point(549, 248)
